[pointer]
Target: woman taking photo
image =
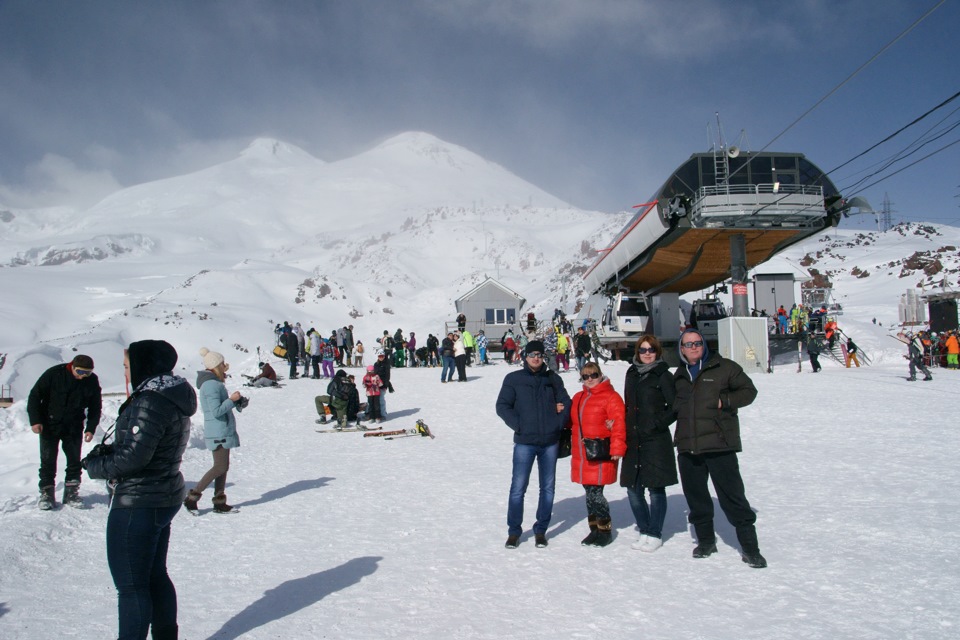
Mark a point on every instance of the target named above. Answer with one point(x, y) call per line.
point(649, 464)
point(146, 488)
point(219, 430)
point(597, 414)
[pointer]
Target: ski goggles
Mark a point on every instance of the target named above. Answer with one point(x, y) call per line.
point(535, 354)
point(83, 373)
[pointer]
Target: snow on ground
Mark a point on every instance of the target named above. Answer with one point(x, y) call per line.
point(852, 473)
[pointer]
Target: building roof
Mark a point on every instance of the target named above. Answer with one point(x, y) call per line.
point(500, 286)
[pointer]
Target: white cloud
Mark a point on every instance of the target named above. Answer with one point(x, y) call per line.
point(56, 180)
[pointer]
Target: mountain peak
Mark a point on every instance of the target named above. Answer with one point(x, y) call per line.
point(272, 150)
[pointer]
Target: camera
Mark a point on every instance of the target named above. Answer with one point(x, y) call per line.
point(97, 451)
point(242, 403)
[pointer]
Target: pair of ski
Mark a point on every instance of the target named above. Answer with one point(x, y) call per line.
point(350, 430)
point(421, 429)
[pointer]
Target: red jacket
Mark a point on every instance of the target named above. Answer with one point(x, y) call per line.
point(589, 412)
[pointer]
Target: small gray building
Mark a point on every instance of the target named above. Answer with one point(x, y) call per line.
point(490, 306)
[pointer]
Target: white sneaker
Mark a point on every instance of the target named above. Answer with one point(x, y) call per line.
point(640, 544)
point(652, 544)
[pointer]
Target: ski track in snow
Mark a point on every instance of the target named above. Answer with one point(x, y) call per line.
point(341, 536)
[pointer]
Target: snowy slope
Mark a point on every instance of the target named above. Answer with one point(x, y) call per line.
point(345, 537)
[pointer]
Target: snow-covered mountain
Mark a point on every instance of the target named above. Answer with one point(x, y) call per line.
point(386, 239)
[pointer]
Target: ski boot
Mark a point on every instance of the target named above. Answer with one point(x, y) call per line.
point(47, 501)
point(71, 493)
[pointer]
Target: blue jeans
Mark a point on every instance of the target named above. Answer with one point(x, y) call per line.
point(137, 541)
point(449, 364)
point(649, 519)
point(523, 457)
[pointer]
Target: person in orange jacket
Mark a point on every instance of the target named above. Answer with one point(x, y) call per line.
point(952, 345)
point(830, 332)
point(597, 412)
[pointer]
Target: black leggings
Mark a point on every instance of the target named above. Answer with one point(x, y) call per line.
point(597, 504)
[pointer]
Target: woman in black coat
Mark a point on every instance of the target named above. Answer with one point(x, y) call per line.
point(142, 468)
point(649, 464)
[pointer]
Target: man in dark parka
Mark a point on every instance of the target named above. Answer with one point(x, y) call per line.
point(710, 389)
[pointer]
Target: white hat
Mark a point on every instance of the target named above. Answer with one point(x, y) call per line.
point(211, 359)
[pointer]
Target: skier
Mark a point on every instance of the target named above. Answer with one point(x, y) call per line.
point(915, 356)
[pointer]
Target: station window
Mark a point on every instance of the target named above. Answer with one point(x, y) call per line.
point(501, 316)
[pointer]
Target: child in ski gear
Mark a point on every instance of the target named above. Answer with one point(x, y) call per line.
point(372, 384)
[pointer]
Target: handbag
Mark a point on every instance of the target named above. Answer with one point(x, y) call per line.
point(566, 444)
point(597, 449)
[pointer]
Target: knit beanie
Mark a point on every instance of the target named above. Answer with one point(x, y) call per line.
point(211, 359)
point(150, 358)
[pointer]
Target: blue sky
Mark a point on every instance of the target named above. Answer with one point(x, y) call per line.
point(595, 101)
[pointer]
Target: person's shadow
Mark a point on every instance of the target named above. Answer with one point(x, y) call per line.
point(403, 413)
point(283, 492)
point(294, 595)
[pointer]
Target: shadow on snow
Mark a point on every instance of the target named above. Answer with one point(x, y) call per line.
point(294, 595)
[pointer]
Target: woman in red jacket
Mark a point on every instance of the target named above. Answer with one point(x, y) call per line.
point(597, 412)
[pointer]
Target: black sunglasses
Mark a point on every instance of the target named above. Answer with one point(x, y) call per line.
point(590, 376)
point(692, 345)
point(646, 350)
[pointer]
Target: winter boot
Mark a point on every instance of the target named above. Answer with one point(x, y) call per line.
point(71, 493)
point(592, 536)
point(705, 549)
point(190, 502)
point(47, 499)
point(928, 379)
point(220, 504)
point(604, 532)
point(754, 559)
point(541, 540)
point(912, 379)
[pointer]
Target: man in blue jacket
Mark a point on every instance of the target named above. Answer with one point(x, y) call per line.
point(534, 403)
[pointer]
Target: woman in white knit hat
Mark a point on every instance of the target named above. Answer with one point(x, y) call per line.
point(219, 430)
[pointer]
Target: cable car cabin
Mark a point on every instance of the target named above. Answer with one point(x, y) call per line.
point(680, 240)
point(632, 313)
point(704, 316)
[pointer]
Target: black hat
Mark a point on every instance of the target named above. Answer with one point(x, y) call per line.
point(149, 358)
point(535, 346)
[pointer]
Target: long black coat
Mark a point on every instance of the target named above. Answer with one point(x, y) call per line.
point(59, 401)
point(152, 432)
point(649, 400)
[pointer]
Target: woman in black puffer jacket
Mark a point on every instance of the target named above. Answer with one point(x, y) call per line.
point(146, 487)
point(649, 464)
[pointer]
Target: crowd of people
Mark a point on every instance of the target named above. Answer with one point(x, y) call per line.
point(610, 438)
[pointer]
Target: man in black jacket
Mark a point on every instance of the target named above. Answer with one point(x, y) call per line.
point(58, 403)
point(382, 368)
point(582, 345)
point(710, 389)
point(534, 403)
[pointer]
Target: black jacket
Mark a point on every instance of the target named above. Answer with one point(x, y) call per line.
point(382, 369)
point(582, 345)
point(528, 404)
point(702, 427)
point(59, 400)
point(649, 399)
point(338, 386)
point(152, 433)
